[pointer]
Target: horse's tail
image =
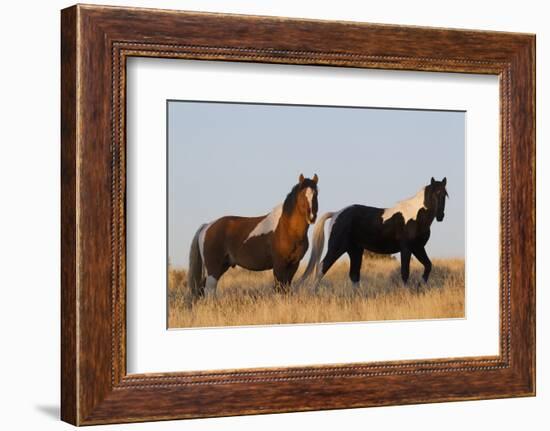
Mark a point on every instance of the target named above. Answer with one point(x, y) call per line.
point(317, 247)
point(195, 273)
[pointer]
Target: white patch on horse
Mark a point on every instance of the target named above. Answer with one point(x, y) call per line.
point(309, 197)
point(408, 208)
point(268, 223)
point(202, 235)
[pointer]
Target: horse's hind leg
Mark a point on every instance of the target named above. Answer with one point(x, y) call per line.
point(214, 273)
point(356, 259)
point(333, 254)
point(405, 263)
point(421, 255)
point(210, 286)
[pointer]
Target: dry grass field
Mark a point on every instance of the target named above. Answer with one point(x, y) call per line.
point(247, 298)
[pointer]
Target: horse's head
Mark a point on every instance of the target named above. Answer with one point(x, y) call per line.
point(436, 193)
point(306, 198)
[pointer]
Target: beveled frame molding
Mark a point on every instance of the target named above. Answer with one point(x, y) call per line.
point(96, 41)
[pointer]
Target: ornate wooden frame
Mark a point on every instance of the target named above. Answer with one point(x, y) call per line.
point(95, 43)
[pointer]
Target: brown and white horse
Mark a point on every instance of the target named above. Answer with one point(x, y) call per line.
point(277, 241)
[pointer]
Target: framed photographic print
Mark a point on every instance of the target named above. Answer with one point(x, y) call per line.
point(247, 255)
point(266, 214)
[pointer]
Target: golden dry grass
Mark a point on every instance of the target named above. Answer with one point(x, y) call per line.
point(247, 298)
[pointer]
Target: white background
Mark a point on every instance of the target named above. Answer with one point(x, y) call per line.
point(29, 216)
point(153, 349)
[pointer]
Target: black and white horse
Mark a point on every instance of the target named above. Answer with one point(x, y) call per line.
point(404, 229)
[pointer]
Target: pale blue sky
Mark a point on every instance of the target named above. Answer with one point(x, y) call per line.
point(243, 159)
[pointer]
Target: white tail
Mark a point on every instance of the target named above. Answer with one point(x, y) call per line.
point(195, 273)
point(317, 247)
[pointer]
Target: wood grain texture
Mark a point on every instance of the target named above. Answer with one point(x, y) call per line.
point(96, 41)
point(69, 397)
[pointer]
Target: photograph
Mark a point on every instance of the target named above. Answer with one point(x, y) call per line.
point(305, 214)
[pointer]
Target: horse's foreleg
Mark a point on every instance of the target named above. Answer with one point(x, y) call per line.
point(292, 268)
point(420, 254)
point(356, 259)
point(405, 263)
point(281, 285)
point(283, 273)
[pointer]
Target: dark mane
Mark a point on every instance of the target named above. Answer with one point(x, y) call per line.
point(290, 200)
point(428, 195)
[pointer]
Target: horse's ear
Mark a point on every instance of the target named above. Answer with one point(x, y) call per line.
point(432, 181)
point(301, 178)
point(315, 178)
point(444, 181)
